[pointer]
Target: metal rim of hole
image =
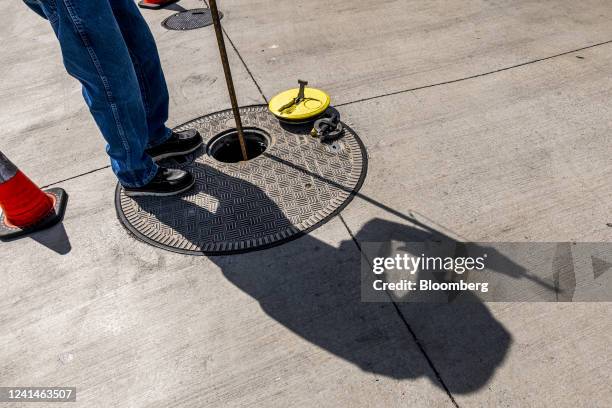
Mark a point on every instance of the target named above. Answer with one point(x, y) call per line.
point(278, 186)
point(189, 20)
point(252, 138)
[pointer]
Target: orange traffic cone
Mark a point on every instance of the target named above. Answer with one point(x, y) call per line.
point(155, 4)
point(25, 207)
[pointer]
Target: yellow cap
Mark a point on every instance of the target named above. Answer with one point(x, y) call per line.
point(315, 103)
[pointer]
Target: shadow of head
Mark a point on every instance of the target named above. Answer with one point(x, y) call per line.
point(313, 288)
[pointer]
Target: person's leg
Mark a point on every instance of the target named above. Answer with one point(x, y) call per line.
point(95, 53)
point(36, 7)
point(143, 51)
point(163, 142)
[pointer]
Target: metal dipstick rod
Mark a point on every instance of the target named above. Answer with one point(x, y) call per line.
point(228, 76)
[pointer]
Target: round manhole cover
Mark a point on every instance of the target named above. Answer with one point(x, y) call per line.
point(189, 19)
point(294, 186)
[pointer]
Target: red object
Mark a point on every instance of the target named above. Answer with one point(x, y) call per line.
point(23, 203)
point(155, 4)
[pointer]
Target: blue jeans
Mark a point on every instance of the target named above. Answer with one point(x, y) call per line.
point(108, 47)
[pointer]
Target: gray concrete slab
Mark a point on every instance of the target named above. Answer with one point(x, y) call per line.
point(47, 129)
point(518, 155)
point(527, 159)
point(521, 155)
point(363, 48)
point(85, 305)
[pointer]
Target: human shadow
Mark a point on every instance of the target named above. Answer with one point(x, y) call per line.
point(312, 286)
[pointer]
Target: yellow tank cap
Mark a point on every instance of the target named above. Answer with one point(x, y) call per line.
point(315, 102)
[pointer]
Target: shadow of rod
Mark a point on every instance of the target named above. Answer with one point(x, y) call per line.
point(409, 218)
point(360, 195)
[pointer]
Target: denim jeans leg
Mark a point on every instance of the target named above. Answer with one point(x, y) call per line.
point(95, 53)
point(36, 7)
point(143, 51)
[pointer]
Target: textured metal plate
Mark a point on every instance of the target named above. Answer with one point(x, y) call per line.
point(189, 19)
point(296, 185)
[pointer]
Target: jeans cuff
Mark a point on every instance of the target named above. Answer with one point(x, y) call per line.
point(162, 139)
point(147, 179)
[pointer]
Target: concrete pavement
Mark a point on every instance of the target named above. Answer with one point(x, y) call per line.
point(484, 120)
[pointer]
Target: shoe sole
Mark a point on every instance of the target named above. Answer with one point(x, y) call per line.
point(174, 154)
point(151, 194)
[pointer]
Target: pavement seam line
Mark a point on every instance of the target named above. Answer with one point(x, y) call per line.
point(241, 59)
point(401, 316)
point(452, 81)
point(77, 176)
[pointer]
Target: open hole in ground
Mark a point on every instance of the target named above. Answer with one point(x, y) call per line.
point(225, 147)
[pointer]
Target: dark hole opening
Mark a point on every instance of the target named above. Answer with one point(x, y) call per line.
point(225, 147)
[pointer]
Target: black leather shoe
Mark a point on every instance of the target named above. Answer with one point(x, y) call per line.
point(167, 182)
point(179, 144)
